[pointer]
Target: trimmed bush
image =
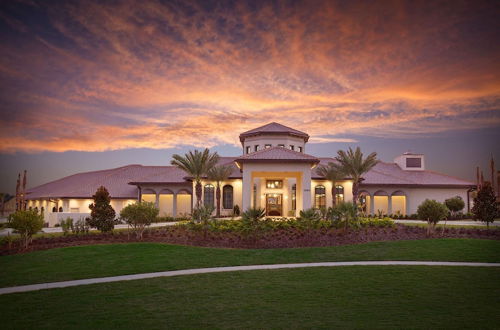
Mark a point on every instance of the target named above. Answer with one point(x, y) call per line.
point(102, 215)
point(432, 211)
point(485, 208)
point(139, 215)
point(26, 223)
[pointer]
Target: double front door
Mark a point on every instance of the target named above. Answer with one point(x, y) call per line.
point(274, 205)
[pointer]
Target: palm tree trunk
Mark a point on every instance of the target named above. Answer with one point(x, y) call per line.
point(198, 194)
point(355, 191)
point(334, 190)
point(218, 199)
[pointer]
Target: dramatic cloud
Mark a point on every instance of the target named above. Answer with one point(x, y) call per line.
point(94, 75)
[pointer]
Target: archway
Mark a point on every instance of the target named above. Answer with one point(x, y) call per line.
point(183, 203)
point(398, 201)
point(148, 195)
point(166, 203)
point(364, 201)
point(381, 202)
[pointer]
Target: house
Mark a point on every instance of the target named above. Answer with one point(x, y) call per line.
point(274, 172)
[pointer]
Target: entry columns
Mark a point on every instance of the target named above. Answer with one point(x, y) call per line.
point(306, 190)
point(174, 205)
point(247, 188)
point(389, 204)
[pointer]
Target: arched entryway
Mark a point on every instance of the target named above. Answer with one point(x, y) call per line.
point(166, 203)
point(381, 202)
point(398, 203)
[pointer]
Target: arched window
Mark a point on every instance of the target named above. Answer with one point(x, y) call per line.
point(294, 197)
point(319, 197)
point(60, 209)
point(54, 209)
point(227, 197)
point(339, 193)
point(208, 195)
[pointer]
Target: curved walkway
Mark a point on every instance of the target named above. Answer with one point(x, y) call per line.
point(65, 284)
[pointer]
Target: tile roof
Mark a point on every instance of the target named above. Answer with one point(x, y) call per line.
point(84, 185)
point(274, 128)
point(391, 174)
point(277, 154)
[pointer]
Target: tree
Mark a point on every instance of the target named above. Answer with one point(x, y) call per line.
point(102, 215)
point(4, 198)
point(455, 204)
point(218, 174)
point(333, 173)
point(26, 223)
point(432, 212)
point(139, 215)
point(196, 164)
point(485, 208)
point(355, 166)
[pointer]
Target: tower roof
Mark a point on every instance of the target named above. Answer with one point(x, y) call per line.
point(274, 129)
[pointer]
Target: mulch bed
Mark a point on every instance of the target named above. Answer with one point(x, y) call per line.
point(283, 238)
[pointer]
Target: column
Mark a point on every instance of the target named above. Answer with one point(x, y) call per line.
point(372, 204)
point(389, 204)
point(306, 190)
point(157, 201)
point(247, 188)
point(174, 205)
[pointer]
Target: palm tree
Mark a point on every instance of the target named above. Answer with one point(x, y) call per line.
point(219, 173)
point(196, 164)
point(333, 173)
point(355, 166)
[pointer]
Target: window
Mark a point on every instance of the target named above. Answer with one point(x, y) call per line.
point(292, 147)
point(254, 195)
point(267, 146)
point(281, 145)
point(414, 162)
point(256, 148)
point(60, 209)
point(54, 209)
point(208, 195)
point(319, 197)
point(300, 149)
point(247, 150)
point(227, 197)
point(274, 184)
point(75, 210)
point(294, 197)
point(339, 194)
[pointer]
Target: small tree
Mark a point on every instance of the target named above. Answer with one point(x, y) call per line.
point(102, 215)
point(455, 204)
point(139, 215)
point(432, 211)
point(26, 223)
point(485, 208)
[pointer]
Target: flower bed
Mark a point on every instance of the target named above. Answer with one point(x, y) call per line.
point(274, 234)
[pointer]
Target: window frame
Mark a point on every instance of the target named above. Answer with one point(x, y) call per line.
point(212, 193)
point(225, 197)
point(319, 198)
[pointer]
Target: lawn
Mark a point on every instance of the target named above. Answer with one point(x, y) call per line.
point(120, 259)
point(351, 297)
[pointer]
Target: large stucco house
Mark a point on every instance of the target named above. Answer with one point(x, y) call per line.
point(274, 172)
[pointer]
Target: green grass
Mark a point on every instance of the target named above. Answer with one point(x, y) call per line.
point(350, 297)
point(120, 259)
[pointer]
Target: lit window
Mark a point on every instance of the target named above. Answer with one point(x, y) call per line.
point(227, 197)
point(281, 145)
point(319, 197)
point(294, 197)
point(267, 146)
point(256, 148)
point(247, 150)
point(300, 149)
point(339, 194)
point(208, 195)
point(74, 210)
point(274, 184)
point(292, 147)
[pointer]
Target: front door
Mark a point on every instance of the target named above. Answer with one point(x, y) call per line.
point(274, 205)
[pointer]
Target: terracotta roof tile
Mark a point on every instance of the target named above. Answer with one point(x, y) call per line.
point(274, 128)
point(277, 154)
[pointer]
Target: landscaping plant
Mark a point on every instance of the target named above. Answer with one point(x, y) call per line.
point(353, 165)
point(196, 164)
point(102, 215)
point(139, 215)
point(485, 208)
point(219, 174)
point(310, 217)
point(455, 205)
point(432, 211)
point(348, 213)
point(26, 224)
point(67, 225)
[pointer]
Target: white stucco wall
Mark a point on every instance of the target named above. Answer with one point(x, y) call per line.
point(274, 141)
point(237, 194)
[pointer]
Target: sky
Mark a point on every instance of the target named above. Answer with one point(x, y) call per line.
point(88, 85)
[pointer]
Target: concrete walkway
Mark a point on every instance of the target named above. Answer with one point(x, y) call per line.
point(65, 284)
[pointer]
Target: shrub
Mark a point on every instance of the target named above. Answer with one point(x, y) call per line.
point(66, 225)
point(310, 217)
point(26, 223)
point(236, 210)
point(81, 227)
point(485, 208)
point(102, 215)
point(432, 211)
point(377, 222)
point(139, 215)
point(455, 204)
point(348, 212)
